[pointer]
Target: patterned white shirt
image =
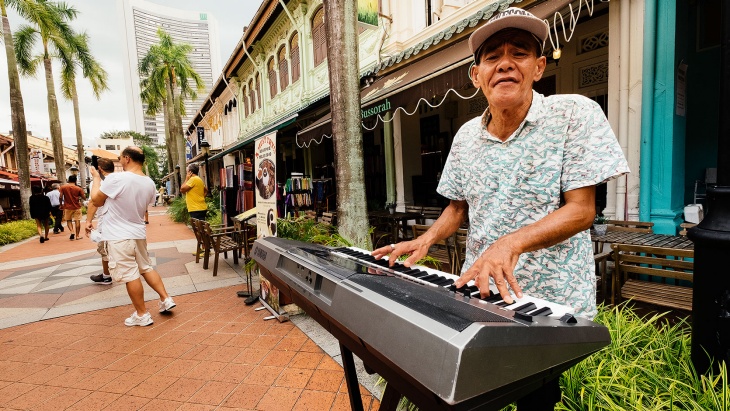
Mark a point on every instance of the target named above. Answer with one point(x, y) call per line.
point(564, 143)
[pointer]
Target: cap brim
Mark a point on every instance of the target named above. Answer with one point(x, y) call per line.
point(532, 25)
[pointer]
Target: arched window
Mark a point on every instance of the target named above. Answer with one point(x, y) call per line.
point(319, 38)
point(251, 96)
point(245, 101)
point(258, 90)
point(283, 69)
point(294, 56)
point(273, 88)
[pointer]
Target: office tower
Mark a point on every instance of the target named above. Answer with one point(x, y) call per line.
point(140, 21)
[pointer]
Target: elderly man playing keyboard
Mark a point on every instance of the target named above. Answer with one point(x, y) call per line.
point(524, 173)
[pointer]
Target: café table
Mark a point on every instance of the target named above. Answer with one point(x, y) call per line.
point(14, 213)
point(648, 239)
point(396, 220)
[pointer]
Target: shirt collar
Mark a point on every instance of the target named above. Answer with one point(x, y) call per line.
point(533, 114)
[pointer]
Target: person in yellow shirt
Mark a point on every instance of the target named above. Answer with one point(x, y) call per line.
point(195, 192)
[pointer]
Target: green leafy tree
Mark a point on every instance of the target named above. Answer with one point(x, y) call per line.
point(49, 24)
point(167, 79)
point(17, 109)
point(79, 57)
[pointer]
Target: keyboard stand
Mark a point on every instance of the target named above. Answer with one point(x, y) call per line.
point(353, 387)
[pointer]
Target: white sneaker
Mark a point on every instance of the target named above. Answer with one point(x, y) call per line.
point(135, 319)
point(166, 305)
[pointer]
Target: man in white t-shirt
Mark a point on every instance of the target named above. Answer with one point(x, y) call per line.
point(125, 196)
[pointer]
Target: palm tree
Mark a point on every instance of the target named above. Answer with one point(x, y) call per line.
point(17, 110)
point(154, 95)
point(79, 57)
point(168, 64)
point(49, 24)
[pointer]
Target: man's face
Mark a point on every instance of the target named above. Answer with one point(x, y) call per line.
point(507, 68)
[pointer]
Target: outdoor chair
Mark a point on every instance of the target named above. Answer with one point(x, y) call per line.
point(430, 213)
point(638, 269)
point(440, 251)
point(407, 231)
point(459, 253)
point(220, 241)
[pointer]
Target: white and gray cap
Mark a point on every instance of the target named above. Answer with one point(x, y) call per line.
point(511, 17)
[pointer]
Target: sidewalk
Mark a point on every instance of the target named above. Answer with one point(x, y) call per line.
point(63, 344)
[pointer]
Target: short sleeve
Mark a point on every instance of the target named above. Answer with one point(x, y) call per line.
point(592, 153)
point(111, 185)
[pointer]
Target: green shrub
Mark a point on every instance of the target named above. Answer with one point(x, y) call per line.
point(178, 210)
point(15, 231)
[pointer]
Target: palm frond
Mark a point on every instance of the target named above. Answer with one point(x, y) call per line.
point(25, 39)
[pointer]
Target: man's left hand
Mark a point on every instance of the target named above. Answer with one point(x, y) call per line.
point(498, 262)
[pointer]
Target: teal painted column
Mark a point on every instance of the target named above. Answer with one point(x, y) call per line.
point(389, 153)
point(664, 193)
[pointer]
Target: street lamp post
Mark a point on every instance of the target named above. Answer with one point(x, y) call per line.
point(205, 146)
point(177, 178)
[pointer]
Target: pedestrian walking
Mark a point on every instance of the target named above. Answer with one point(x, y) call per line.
point(125, 196)
point(40, 210)
point(72, 196)
point(55, 196)
point(106, 167)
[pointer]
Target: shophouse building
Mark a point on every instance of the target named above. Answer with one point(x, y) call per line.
point(416, 93)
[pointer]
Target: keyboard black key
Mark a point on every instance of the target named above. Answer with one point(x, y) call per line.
point(544, 311)
point(430, 277)
point(525, 308)
point(443, 281)
point(493, 298)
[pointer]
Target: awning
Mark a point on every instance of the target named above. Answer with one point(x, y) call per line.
point(201, 155)
point(253, 136)
point(168, 176)
point(426, 78)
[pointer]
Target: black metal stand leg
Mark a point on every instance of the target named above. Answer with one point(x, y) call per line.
point(353, 387)
point(390, 400)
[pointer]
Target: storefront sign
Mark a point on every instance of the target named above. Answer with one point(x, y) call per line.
point(188, 150)
point(266, 214)
point(367, 12)
point(202, 142)
point(380, 108)
point(36, 161)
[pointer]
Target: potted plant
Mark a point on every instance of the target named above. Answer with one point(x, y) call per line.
point(390, 207)
point(599, 224)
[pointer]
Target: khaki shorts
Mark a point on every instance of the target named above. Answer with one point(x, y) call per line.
point(101, 249)
point(69, 215)
point(128, 259)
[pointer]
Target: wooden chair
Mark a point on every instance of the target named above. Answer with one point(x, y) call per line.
point(381, 233)
point(408, 230)
point(669, 264)
point(441, 251)
point(220, 241)
point(430, 213)
point(327, 218)
point(601, 260)
point(459, 253)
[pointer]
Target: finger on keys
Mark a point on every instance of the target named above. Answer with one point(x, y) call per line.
point(501, 283)
point(514, 285)
point(381, 252)
point(467, 276)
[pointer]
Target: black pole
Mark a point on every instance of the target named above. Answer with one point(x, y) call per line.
point(711, 286)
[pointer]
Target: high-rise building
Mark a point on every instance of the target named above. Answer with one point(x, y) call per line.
point(140, 21)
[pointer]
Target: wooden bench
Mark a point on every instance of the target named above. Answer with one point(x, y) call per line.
point(669, 264)
point(684, 227)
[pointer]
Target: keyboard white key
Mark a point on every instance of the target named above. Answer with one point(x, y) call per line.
point(521, 304)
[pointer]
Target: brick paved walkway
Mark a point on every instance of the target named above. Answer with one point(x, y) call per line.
point(211, 352)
